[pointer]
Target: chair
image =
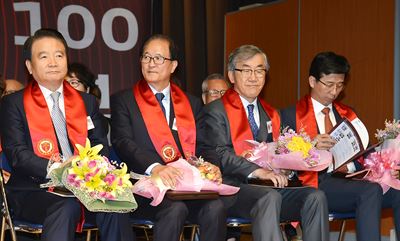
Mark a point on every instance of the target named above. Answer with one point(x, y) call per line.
point(15, 225)
point(343, 217)
point(233, 222)
point(147, 225)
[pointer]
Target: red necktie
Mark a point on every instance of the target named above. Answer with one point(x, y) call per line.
point(328, 122)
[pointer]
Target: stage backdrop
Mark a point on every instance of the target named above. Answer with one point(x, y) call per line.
point(104, 35)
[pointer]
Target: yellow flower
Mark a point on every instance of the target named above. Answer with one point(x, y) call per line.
point(80, 168)
point(298, 144)
point(92, 153)
point(123, 176)
point(94, 183)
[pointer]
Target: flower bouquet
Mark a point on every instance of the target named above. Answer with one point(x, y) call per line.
point(292, 151)
point(198, 175)
point(391, 131)
point(386, 160)
point(95, 181)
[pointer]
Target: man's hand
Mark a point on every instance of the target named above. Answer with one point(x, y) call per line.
point(343, 169)
point(395, 172)
point(324, 142)
point(169, 175)
point(279, 180)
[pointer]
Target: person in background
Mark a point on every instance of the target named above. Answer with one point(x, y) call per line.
point(316, 113)
point(40, 122)
point(8, 87)
point(80, 77)
point(11, 86)
point(213, 87)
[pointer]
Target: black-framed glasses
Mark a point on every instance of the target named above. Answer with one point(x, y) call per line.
point(331, 86)
point(158, 59)
point(74, 82)
point(258, 73)
point(215, 93)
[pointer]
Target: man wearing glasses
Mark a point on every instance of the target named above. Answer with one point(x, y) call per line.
point(316, 114)
point(239, 116)
point(153, 124)
point(213, 87)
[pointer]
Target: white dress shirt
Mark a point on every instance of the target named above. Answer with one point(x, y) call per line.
point(256, 113)
point(49, 101)
point(166, 103)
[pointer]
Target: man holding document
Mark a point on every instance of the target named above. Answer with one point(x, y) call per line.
point(317, 114)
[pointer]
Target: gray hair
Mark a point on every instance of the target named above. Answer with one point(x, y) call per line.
point(204, 85)
point(245, 52)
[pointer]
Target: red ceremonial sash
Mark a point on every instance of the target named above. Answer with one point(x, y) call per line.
point(239, 124)
point(43, 136)
point(305, 119)
point(157, 125)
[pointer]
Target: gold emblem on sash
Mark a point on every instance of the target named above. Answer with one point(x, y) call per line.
point(168, 153)
point(45, 146)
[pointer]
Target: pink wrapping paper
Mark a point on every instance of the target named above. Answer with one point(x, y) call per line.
point(152, 187)
point(264, 156)
point(381, 163)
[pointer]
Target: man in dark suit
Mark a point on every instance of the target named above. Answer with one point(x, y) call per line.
point(153, 124)
point(46, 119)
point(316, 114)
point(238, 116)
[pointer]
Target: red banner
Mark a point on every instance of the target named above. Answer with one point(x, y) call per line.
point(104, 35)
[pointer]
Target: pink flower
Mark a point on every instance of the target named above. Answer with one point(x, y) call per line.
point(92, 163)
point(109, 179)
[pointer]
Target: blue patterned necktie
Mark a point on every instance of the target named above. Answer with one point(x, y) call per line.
point(160, 97)
point(252, 121)
point(59, 125)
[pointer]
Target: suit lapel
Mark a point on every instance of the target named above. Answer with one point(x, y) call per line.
point(263, 134)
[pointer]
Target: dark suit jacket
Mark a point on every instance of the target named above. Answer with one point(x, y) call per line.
point(217, 146)
point(29, 170)
point(129, 135)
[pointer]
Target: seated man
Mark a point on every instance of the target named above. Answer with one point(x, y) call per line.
point(45, 119)
point(213, 87)
point(316, 114)
point(152, 124)
point(238, 116)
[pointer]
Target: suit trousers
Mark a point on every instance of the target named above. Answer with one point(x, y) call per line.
point(60, 215)
point(391, 199)
point(362, 197)
point(170, 216)
point(267, 207)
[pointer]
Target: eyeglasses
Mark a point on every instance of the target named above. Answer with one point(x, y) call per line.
point(258, 73)
point(215, 93)
point(158, 59)
point(331, 86)
point(74, 82)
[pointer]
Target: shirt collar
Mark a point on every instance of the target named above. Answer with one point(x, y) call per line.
point(166, 91)
point(318, 107)
point(246, 103)
point(46, 92)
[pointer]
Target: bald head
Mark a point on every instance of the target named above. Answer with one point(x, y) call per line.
point(11, 86)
